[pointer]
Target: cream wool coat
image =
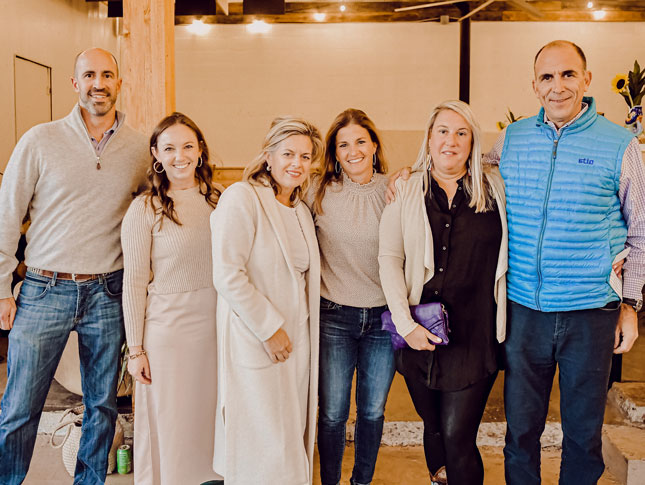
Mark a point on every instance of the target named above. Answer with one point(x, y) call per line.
point(406, 252)
point(261, 439)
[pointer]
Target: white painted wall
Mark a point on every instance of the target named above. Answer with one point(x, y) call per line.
point(50, 32)
point(233, 83)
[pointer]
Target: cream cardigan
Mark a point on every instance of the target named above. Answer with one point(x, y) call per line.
point(406, 255)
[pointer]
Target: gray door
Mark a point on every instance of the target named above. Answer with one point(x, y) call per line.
point(33, 94)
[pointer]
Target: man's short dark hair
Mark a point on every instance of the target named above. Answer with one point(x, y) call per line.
point(563, 43)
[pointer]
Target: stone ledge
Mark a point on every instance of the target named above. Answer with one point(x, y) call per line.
point(623, 449)
point(395, 433)
point(410, 433)
point(629, 398)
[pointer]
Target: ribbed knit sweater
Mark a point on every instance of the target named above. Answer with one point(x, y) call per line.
point(348, 236)
point(162, 257)
point(75, 209)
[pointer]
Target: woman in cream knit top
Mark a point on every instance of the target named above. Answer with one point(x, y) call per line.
point(169, 309)
point(348, 238)
point(164, 257)
point(349, 199)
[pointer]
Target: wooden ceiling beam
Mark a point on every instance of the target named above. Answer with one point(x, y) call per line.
point(221, 7)
point(577, 16)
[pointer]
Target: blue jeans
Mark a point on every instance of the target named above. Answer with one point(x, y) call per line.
point(48, 310)
point(351, 338)
point(580, 344)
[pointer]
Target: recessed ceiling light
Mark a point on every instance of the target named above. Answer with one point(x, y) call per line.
point(320, 17)
point(198, 27)
point(589, 4)
point(599, 14)
point(258, 27)
point(343, 8)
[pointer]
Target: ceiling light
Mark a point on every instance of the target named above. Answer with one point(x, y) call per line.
point(589, 4)
point(343, 8)
point(198, 27)
point(599, 14)
point(258, 27)
point(319, 17)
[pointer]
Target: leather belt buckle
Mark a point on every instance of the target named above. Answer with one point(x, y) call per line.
point(79, 278)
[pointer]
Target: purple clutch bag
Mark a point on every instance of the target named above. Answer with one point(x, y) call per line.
point(432, 316)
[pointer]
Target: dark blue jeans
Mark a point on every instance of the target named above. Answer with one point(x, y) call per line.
point(48, 310)
point(580, 344)
point(351, 339)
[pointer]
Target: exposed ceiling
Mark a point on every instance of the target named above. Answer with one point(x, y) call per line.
point(301, 11)
point(334, 11)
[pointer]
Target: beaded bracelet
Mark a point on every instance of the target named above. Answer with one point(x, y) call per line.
point(136, 354)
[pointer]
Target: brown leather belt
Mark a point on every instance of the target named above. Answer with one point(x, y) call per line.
point(64, 276)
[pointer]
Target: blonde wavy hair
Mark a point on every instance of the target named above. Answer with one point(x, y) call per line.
point(282, 128)
point(475, 182)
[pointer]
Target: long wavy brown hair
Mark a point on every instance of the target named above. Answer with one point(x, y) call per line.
point(158, 183)
point(328, 174)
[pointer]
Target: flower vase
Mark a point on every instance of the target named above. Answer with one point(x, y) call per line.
point(634, 122)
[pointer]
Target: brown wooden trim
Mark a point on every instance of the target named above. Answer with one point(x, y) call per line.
point(227, 175)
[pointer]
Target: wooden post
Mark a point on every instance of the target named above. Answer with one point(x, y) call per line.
point(464, 55)
point(148, 62)
point(148, 65)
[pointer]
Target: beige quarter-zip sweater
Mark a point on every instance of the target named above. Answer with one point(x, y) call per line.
point(75, 209)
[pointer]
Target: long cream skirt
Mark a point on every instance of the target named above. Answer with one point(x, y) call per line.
point(175, 415)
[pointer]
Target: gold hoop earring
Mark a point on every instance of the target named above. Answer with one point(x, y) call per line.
point(155, 167)
point(199, 161)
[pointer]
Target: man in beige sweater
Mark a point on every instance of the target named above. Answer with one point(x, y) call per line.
point(74, 177)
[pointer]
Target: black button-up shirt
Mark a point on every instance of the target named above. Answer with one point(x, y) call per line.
point(466, 250)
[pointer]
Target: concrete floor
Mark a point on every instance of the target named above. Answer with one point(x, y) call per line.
point(396, 465)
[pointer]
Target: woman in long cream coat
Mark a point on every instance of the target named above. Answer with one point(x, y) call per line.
point(267, 274)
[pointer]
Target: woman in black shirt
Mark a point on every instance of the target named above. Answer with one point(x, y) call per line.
point(444, 239)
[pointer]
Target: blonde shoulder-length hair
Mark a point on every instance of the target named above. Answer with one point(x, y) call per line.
point(282, 128)
point(476, 182)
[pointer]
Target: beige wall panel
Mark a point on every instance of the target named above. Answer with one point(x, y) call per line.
point(51, 32)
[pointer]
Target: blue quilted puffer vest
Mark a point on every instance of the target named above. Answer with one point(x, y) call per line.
point(564, 219)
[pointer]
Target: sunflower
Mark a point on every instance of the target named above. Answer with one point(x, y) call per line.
point(619, 83)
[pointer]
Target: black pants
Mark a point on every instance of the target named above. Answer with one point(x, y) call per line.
point(450, 424)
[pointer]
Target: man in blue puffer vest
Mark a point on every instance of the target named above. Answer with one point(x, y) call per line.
point(575, 194)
